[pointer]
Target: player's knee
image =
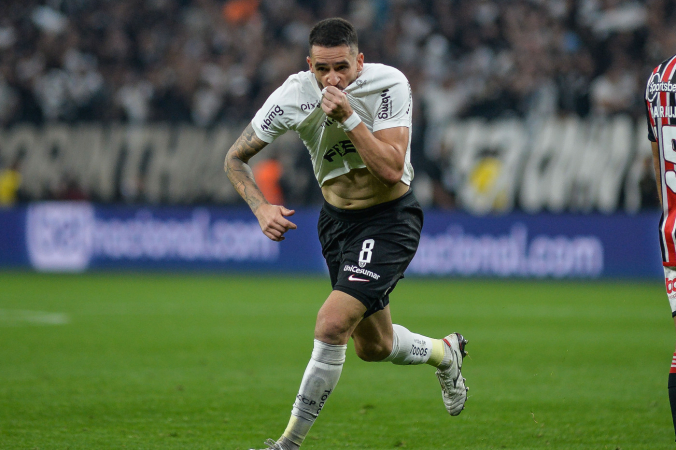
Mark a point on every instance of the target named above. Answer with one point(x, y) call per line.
point(331, 330)
point(372, 351)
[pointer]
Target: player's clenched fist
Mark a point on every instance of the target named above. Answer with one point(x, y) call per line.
point(273, 221)
point(335, 104)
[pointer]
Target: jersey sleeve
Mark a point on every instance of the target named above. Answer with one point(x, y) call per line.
point(393, 108)
point(275, 116)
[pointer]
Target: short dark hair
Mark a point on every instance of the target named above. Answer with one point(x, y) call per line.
point(334, 32)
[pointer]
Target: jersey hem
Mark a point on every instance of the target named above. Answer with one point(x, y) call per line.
point(331, 177)
point(387, 125)
point(263, 138)
point(321, 183)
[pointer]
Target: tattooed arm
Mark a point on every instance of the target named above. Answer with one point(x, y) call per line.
point(237, 168)
point(271, 218)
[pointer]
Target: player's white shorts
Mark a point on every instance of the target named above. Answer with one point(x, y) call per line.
point(670, 281)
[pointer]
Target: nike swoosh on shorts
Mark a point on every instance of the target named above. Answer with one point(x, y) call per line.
point(353, 278)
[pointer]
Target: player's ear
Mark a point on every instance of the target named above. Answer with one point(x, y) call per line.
point(360, 62)
point(309, 63)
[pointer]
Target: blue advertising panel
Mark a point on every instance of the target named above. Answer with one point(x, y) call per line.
point(543, 245)
point(12, 238)
point(79, 236)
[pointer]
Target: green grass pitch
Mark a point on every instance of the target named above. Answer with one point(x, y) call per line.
point(169, 361)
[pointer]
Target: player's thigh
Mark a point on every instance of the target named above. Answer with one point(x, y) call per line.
point(338, 317)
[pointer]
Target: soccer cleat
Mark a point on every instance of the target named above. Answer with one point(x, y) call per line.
point(453, 389)
point(272, 445)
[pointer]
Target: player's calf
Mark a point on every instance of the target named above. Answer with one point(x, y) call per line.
point(372, 351)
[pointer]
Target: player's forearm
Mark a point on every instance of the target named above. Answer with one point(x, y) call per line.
point(242, 179)
point(382, 159)
point(238, 170)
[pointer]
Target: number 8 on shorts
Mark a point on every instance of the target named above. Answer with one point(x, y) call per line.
point(365, 254)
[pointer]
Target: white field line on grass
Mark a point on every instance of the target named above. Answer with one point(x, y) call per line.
point(17, 317)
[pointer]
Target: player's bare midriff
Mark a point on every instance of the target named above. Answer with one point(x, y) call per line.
point(359, 189)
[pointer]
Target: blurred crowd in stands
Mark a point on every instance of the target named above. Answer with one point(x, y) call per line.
point(209, 62)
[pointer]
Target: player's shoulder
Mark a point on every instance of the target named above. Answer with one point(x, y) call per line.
point(659, 70)
point(670, 61)
point(661, 78)
point(375, 79)
point(382, 72)
point(297, 93)
point(300, 82)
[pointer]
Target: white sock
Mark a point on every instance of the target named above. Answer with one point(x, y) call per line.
point(412, 348)
point(319, 380)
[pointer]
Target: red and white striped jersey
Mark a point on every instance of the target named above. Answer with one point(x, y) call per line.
point(660, 98)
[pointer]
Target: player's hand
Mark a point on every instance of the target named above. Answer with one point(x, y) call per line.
point(273, 222)
point(335, 104)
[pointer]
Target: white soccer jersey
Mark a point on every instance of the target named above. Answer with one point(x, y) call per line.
point(381, 96)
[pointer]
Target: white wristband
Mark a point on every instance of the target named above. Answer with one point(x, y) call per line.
point(351, 122)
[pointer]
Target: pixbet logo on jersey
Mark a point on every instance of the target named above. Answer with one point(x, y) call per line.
point(308, 106)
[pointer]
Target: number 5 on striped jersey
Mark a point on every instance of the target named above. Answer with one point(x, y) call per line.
point(669, 152)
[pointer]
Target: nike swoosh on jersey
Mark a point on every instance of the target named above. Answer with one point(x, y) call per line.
point(353, 278)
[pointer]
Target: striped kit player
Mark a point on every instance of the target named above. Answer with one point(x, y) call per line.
point(660, 98)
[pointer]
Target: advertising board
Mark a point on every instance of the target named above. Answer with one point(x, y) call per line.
point(79, 236)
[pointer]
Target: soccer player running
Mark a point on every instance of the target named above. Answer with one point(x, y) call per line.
point(355, 120)
point(660, 98)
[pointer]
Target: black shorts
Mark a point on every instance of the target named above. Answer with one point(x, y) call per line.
point(368, 250)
